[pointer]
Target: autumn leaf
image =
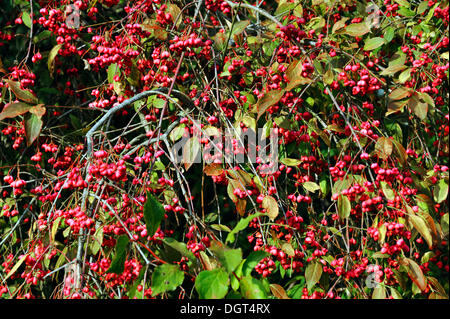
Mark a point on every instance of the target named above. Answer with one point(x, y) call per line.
point(271, 206)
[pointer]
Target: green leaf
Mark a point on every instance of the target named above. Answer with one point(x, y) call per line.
point(444, 224)
point(440, 192)
point(296, 291)
point(113, 70)
point(405, 76)
point(220, 227)
point(55, 228)
point(426, 98)
point(373, 43)
point(16, 266)
point(252, 288)
point(403, 3)
point(165, 278)
point(33, 126)
point(234, 279)
point(380, 255)
point(339, 24)
point(379, 292)
point(284, 8)
point(42, 36)
point(406, 12)
point(290, 161)
point(422, 7)
point(252, 260)
point(313, 273)
point(420, 109)
point(271, 206)
point(97, 241)
point(239, 27)
point(395, 293)
point(180, 247)
point(241, 225)
point(51, 58)
point(26, 19)
point(324, 185)
point(390, 70)
point(357, 29)
point(316, 23)
point(229, 258)
point(328, 77)
point(153, 214)
point(344, 207)
point(118, 263)
point(177, 133)
point(387, 190)
point(212, 284)
point(389, 34)
point(426, 257)
point(311, 186)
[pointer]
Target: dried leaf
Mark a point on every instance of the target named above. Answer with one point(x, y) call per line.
point(38, 110)
point(278, 291)
point(213, 169)
point(294, 75)
point(12, 110)
point(420, 109)
point(421, 226)
point(392, 69)
point(271, 206)
point(399, 93)
point(414, 272)
point(270, 98)
point(20, 93)
point(384, 147)
point(241, 205)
